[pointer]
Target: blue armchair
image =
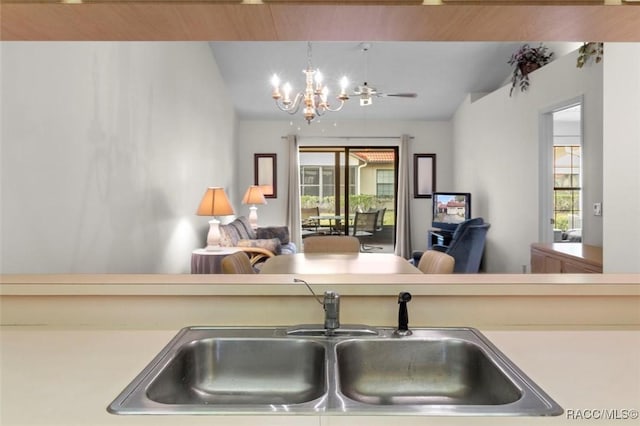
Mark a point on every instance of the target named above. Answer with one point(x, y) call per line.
point(466, 246)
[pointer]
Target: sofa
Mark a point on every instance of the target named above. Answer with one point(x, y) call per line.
point(259, 244)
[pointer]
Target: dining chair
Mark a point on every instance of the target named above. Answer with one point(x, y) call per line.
point(306, 214)
point(379, 226)
point(331, 244)
point(237, 263)
point(436, 262)
point(364, 226)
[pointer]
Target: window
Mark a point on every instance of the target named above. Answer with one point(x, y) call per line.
point(328, 182)
point(385, 182)
point(567, 188)
point(310, 181)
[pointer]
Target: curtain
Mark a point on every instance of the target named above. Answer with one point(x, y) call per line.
point(293, 200)
point(403, 222)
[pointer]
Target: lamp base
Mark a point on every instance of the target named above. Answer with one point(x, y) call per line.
point(253, 217)
point(213, 237)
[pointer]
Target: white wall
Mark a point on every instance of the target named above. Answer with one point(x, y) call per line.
point(266, 137)
point(496, 152)
point(107, 148)
point(621, 206)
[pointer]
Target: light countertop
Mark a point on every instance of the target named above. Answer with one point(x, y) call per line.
point(69, 376)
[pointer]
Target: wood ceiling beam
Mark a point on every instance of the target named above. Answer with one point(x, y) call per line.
point(157, 21)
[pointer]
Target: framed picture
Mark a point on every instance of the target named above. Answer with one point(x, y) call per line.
point(424, 175)
point(265, 172)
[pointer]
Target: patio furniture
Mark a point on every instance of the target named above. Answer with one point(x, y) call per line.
point(364, 226)
point(309, 223)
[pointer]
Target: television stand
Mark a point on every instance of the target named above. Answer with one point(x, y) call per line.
point(439, 236)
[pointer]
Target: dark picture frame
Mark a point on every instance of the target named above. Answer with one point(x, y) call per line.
point(265, 172)
point(424, 175)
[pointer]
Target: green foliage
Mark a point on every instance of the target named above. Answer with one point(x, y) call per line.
point(526, 60)
point(589, 50)
point(562, 222)
point(307, 201)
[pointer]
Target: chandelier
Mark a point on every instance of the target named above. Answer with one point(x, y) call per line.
point(313, 99)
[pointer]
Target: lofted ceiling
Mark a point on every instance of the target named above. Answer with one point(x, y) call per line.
point(440, 51)
point(440, 73)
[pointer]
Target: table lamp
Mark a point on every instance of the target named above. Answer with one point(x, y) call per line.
point(253, 196)
point(214, 203)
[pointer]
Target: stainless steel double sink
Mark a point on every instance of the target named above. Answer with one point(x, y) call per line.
point(434, 371)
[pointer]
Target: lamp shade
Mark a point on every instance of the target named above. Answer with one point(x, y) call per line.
point(214, 203)
point(254, 195)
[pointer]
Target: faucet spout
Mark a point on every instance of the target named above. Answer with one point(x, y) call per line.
point(331, 306)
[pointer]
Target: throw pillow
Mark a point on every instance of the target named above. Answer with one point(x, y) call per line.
point(279, 232)
point(272, 244)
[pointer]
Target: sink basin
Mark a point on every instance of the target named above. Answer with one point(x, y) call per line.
point(360, 370)
point(447, 371)
point(415, 372)
point(229, 370)
point(242, 371)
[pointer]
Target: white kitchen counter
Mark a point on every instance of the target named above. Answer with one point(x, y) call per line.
point(69, 376)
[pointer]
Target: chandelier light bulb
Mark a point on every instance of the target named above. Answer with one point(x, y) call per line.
point(344, 83)
point(275, 81)
point(324, 95)
point(318, 78)
point(287, 92)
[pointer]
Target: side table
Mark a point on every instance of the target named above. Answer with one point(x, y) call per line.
point(205, 261)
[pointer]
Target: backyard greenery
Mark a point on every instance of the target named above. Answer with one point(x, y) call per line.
point(362, 202)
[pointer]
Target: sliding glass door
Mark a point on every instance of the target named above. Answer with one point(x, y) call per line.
point(336, 182)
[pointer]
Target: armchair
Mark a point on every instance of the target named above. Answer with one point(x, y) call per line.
point(259, 244)
point(467, 245)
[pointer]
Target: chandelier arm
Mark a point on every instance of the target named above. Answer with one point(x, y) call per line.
point(336, 109)
point(293, 107)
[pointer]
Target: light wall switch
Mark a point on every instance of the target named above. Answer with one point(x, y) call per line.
point(597, 209)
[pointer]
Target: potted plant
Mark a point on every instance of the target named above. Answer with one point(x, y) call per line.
point(526, 60)
point(589, 50)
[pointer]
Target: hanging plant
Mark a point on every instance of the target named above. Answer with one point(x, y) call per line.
point(526, 60)
point(589, 50)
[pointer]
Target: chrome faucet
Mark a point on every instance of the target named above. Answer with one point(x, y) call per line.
point(331, 306)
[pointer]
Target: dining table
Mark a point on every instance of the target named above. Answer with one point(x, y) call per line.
point(338, 263)
point(334, 222)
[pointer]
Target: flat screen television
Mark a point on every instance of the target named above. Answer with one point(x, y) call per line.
point(450, 208)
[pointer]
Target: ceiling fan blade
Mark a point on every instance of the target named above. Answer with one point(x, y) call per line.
point(399, 95)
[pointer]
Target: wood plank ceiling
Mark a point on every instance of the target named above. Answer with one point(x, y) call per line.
point(211, 20)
